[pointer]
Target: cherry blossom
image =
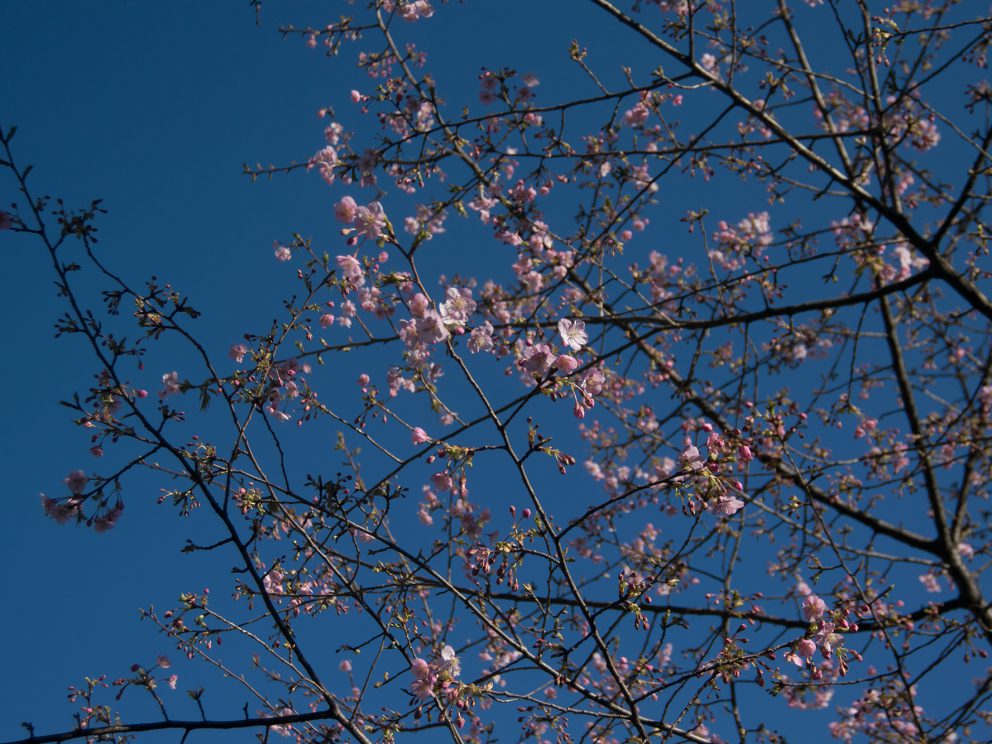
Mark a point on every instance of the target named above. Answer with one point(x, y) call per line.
point(813, 607)
point(346, 210)
point(573, 333)
point(537, 359)
point(370, 220)
point(282, 253)
point(351, 270)
point(76, 481)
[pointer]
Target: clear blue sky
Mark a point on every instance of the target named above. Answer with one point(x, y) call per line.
point(153, 107)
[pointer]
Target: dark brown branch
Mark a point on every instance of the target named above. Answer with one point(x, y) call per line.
point(185, 726)
point(769, 312)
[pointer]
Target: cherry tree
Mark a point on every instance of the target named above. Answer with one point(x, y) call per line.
point(658, 394)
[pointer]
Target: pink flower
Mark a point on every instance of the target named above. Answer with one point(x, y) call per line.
point(237, 352)
point(573, 333)
point(457, 307)
point(345, 666)
point(806, 648)
point(371, 220)
point(420, 436)
point(691, 459)
point(442, 481)
point(108, 520)
point(351, 270)
point(537, 359)
point(637, 115)
point(489, 86)
point(727, 505)
point(827, 639)
point(481, 338)
point(326, 320)
point(346, 210)
point(61, 513)
point(163, 661)
point(170, 384)
point(173, 679)
point(419, 304)
point(449, 662)
point(76, 481)
point(272, 583)
point(281, 729)
point(813, 607)
point(430, 328)
point(282, 253)
point(325, 160)
point(566, 364)
point(422, 688)
point(414, 10)
point(592, 383)
point(423, 679)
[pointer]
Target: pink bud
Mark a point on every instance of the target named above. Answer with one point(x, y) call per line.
point(806, 648)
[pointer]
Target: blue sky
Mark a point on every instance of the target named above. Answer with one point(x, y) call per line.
point(154, 107)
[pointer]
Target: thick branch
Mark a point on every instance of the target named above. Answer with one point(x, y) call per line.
point(184, 726)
